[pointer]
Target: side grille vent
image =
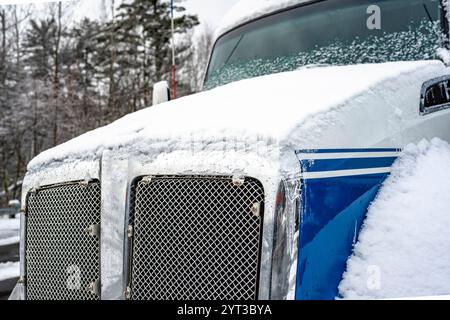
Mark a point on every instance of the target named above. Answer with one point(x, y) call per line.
point(62, 242)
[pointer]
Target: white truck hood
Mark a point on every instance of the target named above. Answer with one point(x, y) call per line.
point(272, 108)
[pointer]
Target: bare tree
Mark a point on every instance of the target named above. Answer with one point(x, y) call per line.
point(59, 79)
point(56, 59)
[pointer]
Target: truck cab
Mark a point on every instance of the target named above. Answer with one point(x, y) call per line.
point(257, 187)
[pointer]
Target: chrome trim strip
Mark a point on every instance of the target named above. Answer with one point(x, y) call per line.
point(114, 178)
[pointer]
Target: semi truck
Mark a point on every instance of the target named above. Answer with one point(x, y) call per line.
point(256, 187)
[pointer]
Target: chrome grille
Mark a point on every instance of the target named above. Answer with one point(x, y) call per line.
point(62, 242)
point(196, 238)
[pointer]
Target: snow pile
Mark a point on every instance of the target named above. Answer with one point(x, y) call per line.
point(444, 55)
point(247, 10)
point(9, 270)
point(404, 247)
point(264, 110)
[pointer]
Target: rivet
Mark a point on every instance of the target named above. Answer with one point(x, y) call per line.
point(127, 293)
point(255, 209)
point(238, 181)
point(130, 231)
point(147, 179)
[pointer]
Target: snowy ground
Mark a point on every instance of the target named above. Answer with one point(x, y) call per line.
point(9, 230)
point(9, 270)
point(404, 247)
point(9, 235)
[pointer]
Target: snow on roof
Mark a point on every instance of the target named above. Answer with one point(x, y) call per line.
point(404, 247)
point(247, 10)
point(270, 108)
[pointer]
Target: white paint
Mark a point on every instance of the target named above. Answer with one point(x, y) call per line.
point(346, 155)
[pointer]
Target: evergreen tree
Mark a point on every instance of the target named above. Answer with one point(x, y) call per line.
point(153, 19)
point(58, 81)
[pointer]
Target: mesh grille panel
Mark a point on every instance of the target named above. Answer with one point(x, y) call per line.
point(62, 258)
point(196, 238)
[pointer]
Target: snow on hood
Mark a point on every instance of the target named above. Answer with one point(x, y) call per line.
point(404, 247)
point(269, 108)
point(247, 10)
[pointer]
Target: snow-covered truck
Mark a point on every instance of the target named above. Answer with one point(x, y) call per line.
point(257, 187)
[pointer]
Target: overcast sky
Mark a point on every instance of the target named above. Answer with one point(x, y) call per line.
point(209, 11)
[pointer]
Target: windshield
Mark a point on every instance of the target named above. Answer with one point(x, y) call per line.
point(337, 32)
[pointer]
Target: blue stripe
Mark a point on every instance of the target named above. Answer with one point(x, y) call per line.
point(346, 164)
point(332, 213)
point(347, 150)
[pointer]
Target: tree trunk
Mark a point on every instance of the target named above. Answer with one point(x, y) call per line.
point(5, 178)
point(56, 78)
point(3, 55)
point(17, 36)
point(112, 83)
point(34, 106)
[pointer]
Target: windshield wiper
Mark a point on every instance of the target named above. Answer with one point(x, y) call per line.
point(428, 12)
point(234, 50)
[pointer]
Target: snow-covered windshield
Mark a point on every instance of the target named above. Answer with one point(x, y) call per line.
point(337, 32)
